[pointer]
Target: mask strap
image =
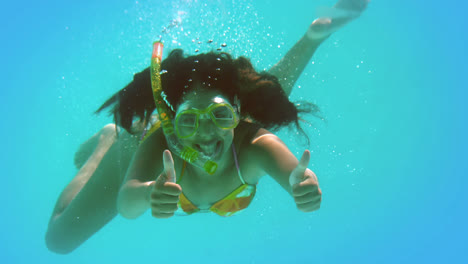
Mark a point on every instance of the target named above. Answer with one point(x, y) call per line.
point(237, 104)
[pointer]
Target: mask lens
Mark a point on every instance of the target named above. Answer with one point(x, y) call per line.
point(186, 124)
point(224, 117)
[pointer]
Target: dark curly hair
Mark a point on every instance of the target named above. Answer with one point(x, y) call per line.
point(261, 96)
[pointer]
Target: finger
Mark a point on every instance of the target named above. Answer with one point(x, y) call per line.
point(164, 208)
point(164, 198)
point(169, 170)
point(297, 175)
point(168, 188)
point(307, 198)
point(309, 207)
point(300, 190)
point(162, 215)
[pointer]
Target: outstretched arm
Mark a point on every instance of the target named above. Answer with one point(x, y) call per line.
point(275, 159)
point(290, 67)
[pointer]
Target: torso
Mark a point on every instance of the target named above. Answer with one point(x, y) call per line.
point(206, 192)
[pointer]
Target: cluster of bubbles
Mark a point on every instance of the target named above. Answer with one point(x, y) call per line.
point(233, 27)
point(176, 24)
point(197, 40)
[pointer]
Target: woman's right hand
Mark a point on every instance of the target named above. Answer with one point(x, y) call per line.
point(165, 192)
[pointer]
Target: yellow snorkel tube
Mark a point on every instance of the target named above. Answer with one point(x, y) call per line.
point(187, 153)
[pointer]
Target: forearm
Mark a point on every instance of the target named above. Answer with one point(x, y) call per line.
point(290, 67)
point(133, 199)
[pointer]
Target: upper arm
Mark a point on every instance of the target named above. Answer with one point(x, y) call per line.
point(273, 157)
point(147, 163)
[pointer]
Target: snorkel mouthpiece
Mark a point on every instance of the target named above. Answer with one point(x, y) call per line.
point(188, 154)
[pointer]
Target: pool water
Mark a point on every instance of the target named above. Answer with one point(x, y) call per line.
point(389, 153)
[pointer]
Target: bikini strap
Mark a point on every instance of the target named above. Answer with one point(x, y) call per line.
point(182, 172)
point(237, 164)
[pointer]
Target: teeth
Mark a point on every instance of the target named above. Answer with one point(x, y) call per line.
point(209, 149)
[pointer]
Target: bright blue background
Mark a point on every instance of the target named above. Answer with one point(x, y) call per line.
point(391, 156)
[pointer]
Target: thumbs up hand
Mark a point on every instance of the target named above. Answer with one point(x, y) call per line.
point(305, 186)
point(165, 193)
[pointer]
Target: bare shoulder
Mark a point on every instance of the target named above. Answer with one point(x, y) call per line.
point(264, 138)
point(265, 145)
point(259, 149)
point(254, 141)
point(267, 154)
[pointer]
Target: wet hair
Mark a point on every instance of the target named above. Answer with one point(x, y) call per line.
point(261, 96)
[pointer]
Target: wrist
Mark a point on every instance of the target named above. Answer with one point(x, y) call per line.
point(148, 190)
point(319, 30)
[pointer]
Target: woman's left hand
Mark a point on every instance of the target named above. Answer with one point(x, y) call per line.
point(305, 186)
point(334, 18)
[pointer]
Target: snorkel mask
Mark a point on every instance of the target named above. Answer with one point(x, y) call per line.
point(187, 153)
point(223, 116)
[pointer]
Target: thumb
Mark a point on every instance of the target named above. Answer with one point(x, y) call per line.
point(297, 175)
point(169, 170)
point(168, 174)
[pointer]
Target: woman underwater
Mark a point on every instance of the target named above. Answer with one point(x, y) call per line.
point(222, 108)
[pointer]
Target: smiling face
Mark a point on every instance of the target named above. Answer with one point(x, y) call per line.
point(205, 121)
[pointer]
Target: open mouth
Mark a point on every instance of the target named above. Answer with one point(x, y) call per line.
point(211, 150)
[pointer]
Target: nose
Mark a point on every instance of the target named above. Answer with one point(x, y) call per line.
point(206, 128)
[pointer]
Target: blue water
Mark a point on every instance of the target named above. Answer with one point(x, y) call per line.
point(390, 157)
